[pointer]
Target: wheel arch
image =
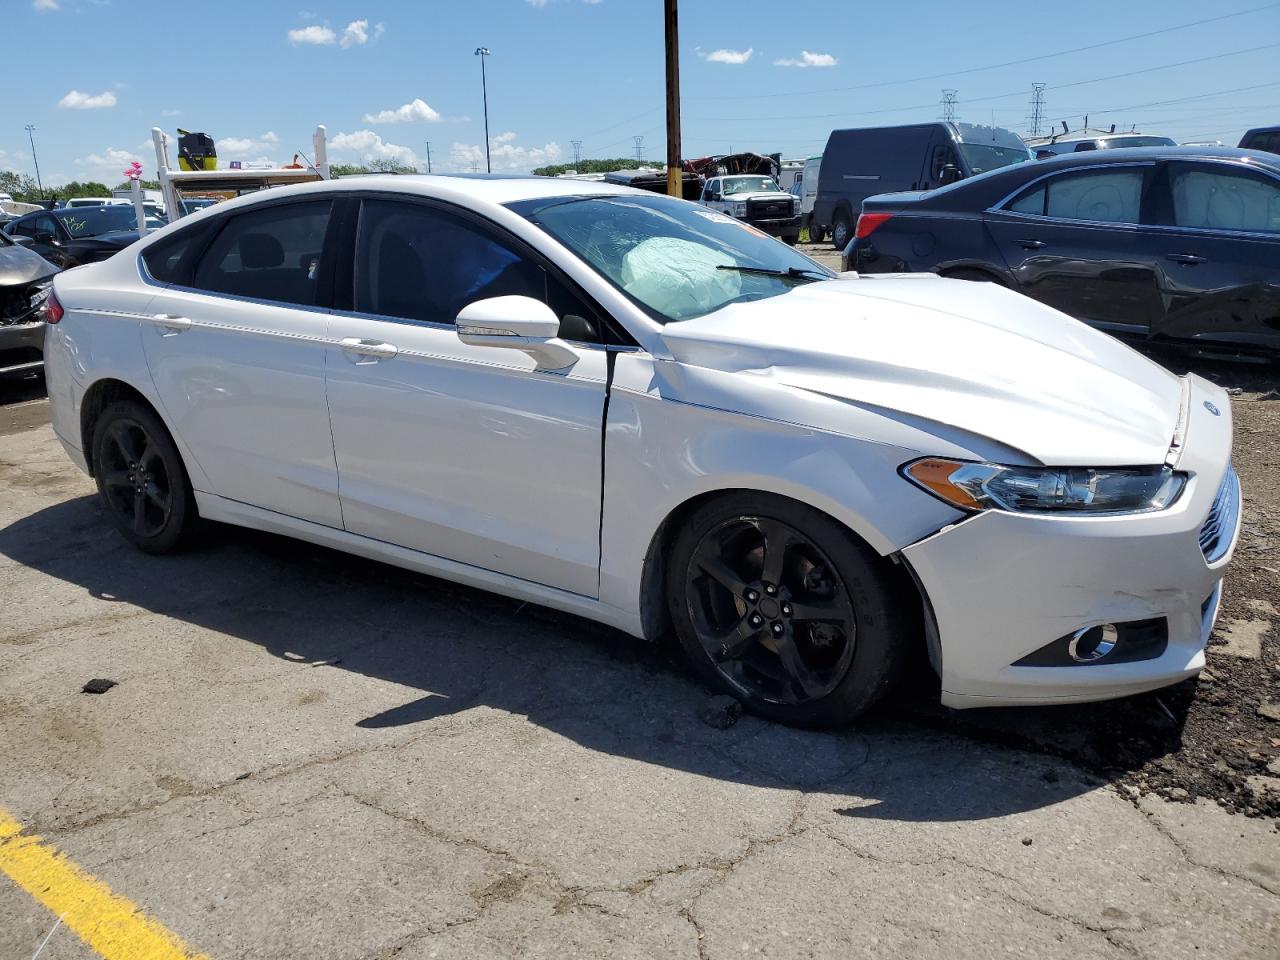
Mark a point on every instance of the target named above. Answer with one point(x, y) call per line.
point(655, 618)
point(101, 394)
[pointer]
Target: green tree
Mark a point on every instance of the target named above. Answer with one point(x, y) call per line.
point(19, 186)
point(146, 185)
point(589, 166)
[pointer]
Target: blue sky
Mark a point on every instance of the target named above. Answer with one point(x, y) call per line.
point(386, 76)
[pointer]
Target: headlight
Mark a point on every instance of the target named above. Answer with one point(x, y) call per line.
point(739, 208)
point(987, 486)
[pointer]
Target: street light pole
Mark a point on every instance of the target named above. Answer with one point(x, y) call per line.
point(31, 138)
point(483, 52)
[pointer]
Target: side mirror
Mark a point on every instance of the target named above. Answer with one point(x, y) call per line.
point(21, 240)
point(950, 174)
point(44, 236)
point(517, 323)
point(713, 195)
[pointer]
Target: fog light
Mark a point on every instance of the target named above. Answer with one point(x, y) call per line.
point(1092, 643)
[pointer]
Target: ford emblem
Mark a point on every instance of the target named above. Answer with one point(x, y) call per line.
point(1211, 408)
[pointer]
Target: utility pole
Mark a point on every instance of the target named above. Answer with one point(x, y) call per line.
point(948, 104)
point(31, 138)
point(482, 53)
point(1037, 108)
point(639, 149)
point(577, 154)
point(675, 177)
point(428, 156)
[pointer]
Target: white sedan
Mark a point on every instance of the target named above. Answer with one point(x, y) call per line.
point(641, 411)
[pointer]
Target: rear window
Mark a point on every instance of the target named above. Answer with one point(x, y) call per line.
point(268, 254)
point(171, 260)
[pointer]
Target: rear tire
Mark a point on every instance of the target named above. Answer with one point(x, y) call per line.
point(840, 231)
point(142, 483)
point(779, 606)
point(791, 239)
point(816, 233)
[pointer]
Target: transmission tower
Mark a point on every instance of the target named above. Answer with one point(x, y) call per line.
point(639, 149)
point(1037, 109)
point(577, 153)
point(948, 104)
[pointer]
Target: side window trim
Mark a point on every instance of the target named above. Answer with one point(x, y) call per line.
point(1001, 206)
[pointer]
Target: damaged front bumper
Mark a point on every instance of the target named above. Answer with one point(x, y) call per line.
point(1008, 592)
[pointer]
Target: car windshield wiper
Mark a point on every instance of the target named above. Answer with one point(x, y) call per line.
point(791, 273)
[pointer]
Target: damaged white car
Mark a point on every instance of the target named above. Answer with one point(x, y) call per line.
point(647, 413)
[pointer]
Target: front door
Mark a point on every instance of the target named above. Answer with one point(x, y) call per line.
point(1074, 242)
point(469, 453)
point(236, 350)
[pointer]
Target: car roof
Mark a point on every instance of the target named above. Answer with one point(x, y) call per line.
point(1123, 154)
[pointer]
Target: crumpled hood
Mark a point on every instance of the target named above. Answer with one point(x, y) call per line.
point(971, 355)
point(19, 265)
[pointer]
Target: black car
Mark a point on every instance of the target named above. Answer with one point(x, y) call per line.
point(75, 235)
point(1179, 243)
point(1262, 138)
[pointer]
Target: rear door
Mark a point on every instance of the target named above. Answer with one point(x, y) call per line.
point(236, 347)
point(1074, 241)
point(1218, 240)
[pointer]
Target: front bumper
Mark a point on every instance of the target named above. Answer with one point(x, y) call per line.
point(1003, 585)
point(777, 228)
point(21, 346)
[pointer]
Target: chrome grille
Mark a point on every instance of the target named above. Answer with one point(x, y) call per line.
point(1220, 527)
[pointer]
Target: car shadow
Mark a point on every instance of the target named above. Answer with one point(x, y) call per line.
point(462, 648)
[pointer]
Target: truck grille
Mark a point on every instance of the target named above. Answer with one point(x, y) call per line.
point(1220, 527)
point(768, 209)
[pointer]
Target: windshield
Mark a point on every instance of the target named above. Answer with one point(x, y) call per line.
point(677, 260)
point(94, 221)
point(982, 156)
point(734, 185)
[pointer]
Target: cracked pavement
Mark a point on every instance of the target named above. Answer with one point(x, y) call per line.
point(309, 754)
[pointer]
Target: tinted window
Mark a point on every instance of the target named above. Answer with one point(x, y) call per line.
point(268, 254)
point(1030, 202)
point(1224, 200)
point(171, 260)
point(422, 263)
point(1110, 196)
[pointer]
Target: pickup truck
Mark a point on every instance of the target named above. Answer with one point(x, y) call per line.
point(757, 200)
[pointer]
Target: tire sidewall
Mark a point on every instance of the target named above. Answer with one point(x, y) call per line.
point(182, 511)
point(840, 233)
point(879, 651)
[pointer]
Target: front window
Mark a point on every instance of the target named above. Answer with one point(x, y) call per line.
point(734, 185)
point(95, 221)
point(676, 260)
point(983, 156)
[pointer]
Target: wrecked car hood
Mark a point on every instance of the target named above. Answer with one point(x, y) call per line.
point(970, 355)
point(19, 265)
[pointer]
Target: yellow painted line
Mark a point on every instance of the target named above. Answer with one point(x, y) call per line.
point(111, 925)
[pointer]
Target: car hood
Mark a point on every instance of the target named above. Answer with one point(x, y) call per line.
point(19, 265)
point(973, 356)
point(765, 195)
point(116, 238)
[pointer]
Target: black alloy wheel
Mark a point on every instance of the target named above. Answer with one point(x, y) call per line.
point(783, 609)
point(141, 479)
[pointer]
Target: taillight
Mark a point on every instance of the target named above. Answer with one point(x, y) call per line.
point(867, 223)
point(52, 309)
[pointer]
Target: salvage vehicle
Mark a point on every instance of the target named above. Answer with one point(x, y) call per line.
point(758, 201)
point(1084, 139)
point(859, 163)
point(25, 282)
point(1179, 244)
point(71, 236)
point(1262, 138)
point(636, 409)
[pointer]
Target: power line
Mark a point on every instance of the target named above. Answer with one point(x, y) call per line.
point(997, 66)
point(1161, 103)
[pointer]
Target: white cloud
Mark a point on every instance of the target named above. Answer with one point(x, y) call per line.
point(75, 100)
point(45, 6)
point(108, 166)
point(808, 59)
point(314, 34)
point(170, 113)
point(505, 155)
point(411, 112)
point(729, 56)
point(355, 34)
point(235, 148)
point(367, 145)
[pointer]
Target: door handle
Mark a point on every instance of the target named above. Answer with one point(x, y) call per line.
point(170, 322)
point(1189, 258)
point(1032, 244)
point(370, 348)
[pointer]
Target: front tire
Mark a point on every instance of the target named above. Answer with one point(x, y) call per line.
point(778, 605)
point(142, 483)
point(840, 231)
